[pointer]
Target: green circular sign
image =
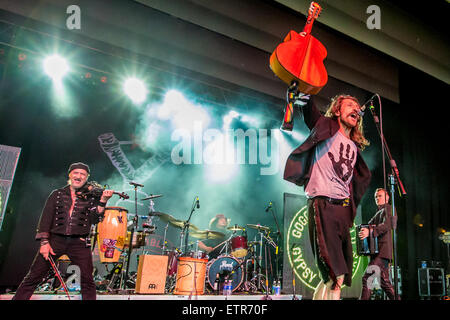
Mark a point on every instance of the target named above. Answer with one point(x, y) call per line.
point(300, 253)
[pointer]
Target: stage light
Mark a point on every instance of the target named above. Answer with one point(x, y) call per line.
point(135, 90)
point(55, 67)
point(22, 57)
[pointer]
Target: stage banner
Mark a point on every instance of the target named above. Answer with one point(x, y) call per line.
point(298, 259)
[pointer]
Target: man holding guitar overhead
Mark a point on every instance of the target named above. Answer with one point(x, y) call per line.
point(63, 228)
point(328, 164)
point(335, 177)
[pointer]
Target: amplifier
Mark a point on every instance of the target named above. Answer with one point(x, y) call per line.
point(151, 275)
point(431, 282)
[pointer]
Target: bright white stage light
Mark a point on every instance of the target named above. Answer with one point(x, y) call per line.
point(135, 90)
point(55, 67)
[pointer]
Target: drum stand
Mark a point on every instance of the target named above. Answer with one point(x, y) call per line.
point(257, 280)
point(259, 275)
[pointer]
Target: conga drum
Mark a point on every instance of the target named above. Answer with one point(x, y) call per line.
point(112, 232)
point(191, 276)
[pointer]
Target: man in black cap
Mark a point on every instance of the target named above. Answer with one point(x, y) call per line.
point(63, 229)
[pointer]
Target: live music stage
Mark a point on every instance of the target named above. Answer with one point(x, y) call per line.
point(62, 296)
point(186, 110)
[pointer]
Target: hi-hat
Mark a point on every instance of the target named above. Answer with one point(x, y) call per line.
point(236, 228)
point(258, 227)
point(153, 197)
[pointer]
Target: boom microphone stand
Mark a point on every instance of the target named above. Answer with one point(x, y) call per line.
point(186, 225)
point(277, 240)
point(135, 222)
point(394, 178)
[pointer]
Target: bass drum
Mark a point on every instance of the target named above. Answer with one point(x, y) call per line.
point(223, 266)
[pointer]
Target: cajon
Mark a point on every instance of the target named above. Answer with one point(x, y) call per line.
point(151, 276)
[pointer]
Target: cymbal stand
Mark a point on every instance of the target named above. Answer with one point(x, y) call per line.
point(164, 240)
point(134, 225)
point(266, 297)
point(187, 224)
point(258, 259)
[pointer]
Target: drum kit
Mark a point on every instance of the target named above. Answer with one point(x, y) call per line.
point(239, 260)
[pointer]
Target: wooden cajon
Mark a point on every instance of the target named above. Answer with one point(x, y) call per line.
point(151, 276)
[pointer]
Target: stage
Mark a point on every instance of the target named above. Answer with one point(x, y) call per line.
point(172, 297)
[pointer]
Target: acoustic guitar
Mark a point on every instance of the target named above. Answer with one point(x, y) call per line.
point(300, 57)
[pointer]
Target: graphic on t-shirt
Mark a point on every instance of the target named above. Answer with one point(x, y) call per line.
point(342, 162)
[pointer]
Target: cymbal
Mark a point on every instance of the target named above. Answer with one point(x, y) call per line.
point(163, 216)
point(153, 197)
point(206, 234)
point(180, 224)
point(235, 228)
point(258, 227)
point(172, 220)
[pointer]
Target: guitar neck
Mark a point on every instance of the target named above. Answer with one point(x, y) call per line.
point(313, 14)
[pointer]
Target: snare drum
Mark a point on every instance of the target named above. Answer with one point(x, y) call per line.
point(173, 262)
point(111, 234)
point(198, 254)
point(239, 246)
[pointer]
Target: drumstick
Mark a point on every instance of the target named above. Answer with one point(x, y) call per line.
point(218, 246)
point(58, 275)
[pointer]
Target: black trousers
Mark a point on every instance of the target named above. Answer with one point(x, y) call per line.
point(385, 283)
point(79, 255)
point(330, 239)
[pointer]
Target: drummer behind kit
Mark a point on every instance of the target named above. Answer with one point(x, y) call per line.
point(184, 270)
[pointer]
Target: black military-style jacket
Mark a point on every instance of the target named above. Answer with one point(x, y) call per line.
point(383, 231)
point(55, 216)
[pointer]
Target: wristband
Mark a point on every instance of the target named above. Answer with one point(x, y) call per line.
point(44, 242)
point(102, 204)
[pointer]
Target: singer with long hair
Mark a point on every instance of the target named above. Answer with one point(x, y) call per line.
point(334, 175)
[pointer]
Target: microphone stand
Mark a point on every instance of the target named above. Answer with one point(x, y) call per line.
point(186, 226)
point(135, 222)
point(394, 178)
point(294, 297)
point(277, 241)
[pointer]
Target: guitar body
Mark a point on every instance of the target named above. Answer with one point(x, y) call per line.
point(300, 58)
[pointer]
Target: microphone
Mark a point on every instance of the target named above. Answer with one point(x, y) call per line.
point(198, 203)
point(136, 184)
point(364, 106)
point(269, 206)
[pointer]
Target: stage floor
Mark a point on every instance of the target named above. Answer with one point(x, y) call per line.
point(132, 296)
